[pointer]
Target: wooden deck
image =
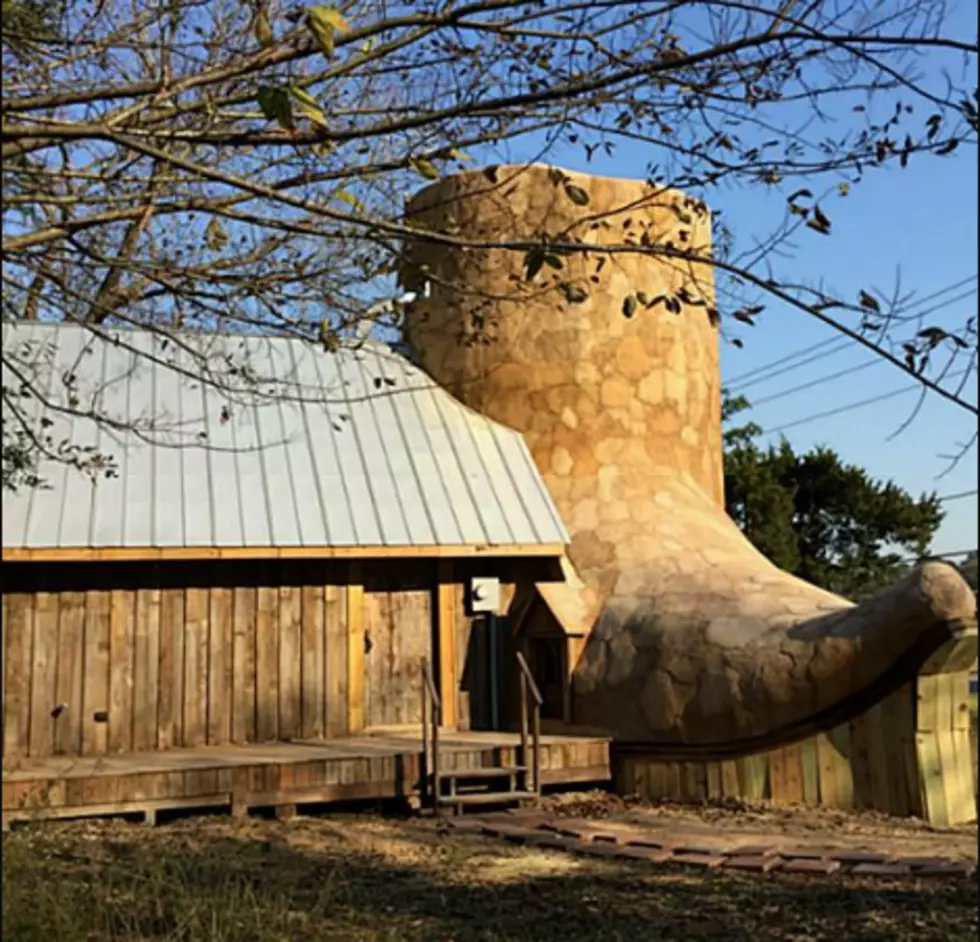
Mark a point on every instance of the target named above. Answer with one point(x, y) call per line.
point(283, 776)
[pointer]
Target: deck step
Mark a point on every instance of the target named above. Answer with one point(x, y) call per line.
point(465, 775)
point(487, 798)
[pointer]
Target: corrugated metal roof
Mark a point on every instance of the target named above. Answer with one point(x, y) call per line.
point(247, 440)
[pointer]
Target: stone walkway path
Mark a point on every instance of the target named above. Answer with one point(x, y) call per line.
point(674, 846)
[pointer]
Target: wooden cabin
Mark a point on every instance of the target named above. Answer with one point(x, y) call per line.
point(238, 606)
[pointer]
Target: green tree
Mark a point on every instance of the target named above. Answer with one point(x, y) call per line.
point(820, 518)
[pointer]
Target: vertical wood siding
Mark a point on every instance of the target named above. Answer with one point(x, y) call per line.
point(908, 755)
point(149, 659)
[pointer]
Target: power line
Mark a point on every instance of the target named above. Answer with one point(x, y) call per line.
point(842, 344)
point(838, 342)
point(845, 372)
point(960, 496)
point(850, 407)
point(929, 556)
point(819, 381)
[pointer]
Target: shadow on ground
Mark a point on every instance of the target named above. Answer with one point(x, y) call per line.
point(382, 880)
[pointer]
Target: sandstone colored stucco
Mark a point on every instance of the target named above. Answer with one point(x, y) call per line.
point(693, 635)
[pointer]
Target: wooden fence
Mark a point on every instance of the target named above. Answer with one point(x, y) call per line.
point(911, 754)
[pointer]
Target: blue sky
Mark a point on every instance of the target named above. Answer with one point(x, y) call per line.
point(919, 224)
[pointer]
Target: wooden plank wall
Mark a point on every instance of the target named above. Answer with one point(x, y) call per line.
point(944, 735)
point(909, 756)
point(109, 658)
point(105, 658)
point(861, 764)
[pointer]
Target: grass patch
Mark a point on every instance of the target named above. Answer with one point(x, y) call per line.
point(368, 881)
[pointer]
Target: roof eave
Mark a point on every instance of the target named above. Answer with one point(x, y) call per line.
point(188, 553)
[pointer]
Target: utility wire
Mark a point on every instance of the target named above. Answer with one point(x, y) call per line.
point(837, 340)
point(839, 343)
point(962, 494)
point(928, 556)
point(842, 344)
point(819, 381)
point(845, 372)
point(851, 406)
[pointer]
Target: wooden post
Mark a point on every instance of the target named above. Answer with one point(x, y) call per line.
point(947, 786)
point(424, 777)
point(355, 649)
point(537, 747)
point(524, 731)
point(574, 648)
point(446, 641)
point(436, 780)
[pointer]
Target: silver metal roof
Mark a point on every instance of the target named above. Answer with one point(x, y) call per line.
point(244, 440)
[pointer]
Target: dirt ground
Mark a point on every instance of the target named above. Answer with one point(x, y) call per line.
point(375, 878)
point(728, 825)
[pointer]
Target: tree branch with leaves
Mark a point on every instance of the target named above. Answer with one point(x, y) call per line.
point(246, 166)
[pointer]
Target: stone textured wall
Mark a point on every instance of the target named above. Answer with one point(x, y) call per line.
point(694, 637)
point(600, 397)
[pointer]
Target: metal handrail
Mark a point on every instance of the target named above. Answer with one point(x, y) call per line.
point(431, 709)
point(528, 685)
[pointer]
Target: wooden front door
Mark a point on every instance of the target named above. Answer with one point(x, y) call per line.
point(397, 635)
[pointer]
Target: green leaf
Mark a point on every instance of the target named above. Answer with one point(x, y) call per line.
point(556, 176)
point(799, 194)
point(629, 305)
point(573, 293)
point(424, 168)
point(933, 336)
point(348, 198)
point(533, 262)
point(819, 223)
point(307, 104)
point(262, 29)
point(329, 16)
point(324, 23)
point(576, 194)
point(276, 105)
point(868, 302)
point(903, 159)
point(747, 315)
point(215, 238)
point(303, 96)
point(553, 260)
